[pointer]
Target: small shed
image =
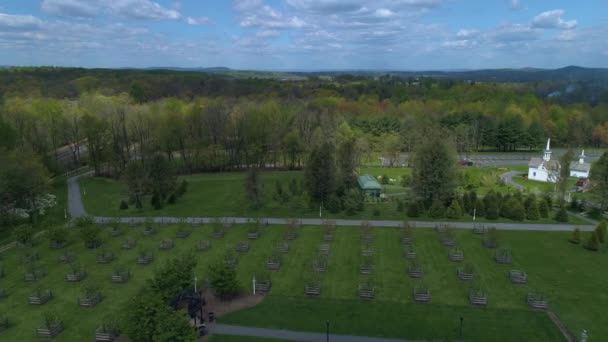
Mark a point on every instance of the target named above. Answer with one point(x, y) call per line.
point(369, 185)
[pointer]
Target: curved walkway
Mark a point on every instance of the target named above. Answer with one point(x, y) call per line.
point(508, 179)
point(76, 209)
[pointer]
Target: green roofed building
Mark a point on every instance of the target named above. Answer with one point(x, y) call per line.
point(369, 185)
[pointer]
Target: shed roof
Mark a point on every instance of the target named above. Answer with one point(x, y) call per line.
point(367, 182)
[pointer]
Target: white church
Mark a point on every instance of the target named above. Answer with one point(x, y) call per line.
point(546, 170)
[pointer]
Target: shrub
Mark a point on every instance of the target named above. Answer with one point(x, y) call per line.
point(595, 213)
point(384, 180)
point(467, 204)
point(413, 209)
point(91, 235)
point(83, 221)
point(406, 181)
point(376, 212)
point(454, 210)
point(172, 198)
point(548, 199)
point(562, 215)
point(593, 243)
point(124, 205)
point(576, 236)
point(601, 231)
point(437, 209)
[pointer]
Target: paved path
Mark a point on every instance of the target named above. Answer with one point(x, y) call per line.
point(291, 335)
point(508, 179)
point(76, 209)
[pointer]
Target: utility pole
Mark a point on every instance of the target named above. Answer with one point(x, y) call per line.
point(461, 319)
point(327, 331)
point(474, 212)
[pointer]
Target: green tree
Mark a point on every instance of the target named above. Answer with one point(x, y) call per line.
point(599, 178)
point(174, 276)
point(333, 204)
point(413, 209)
point(576, 236)
point(434, 176)
point(253, 188)
point(294, 148)
point(96, 131)
point(174, 326)
point(91, 235)
point(136, 179)
point(562, 215)
point(161, 176)
point(454, 211)
point(532, 211)
point(600, 230)
point(137, 92)
point(479, 208)
point(593, 242)
point(223, 280)
point(513, 209)
point(347, 156)
point(353, 201)
point(58, 235)
point(543, 208)
point(143, 315)
point(437, 209)
point(320, 173)
point(492, 206)
point(564, 175)
point(24, 234)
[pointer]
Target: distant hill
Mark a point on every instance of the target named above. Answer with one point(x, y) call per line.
point(569, 73)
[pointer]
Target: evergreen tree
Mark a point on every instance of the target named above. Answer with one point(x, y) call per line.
point(543, 208)
point(599, 178)
point(601, 231)
point(320, 173)
point(532, 212)
point(593, 242)
point(562, 215)
point(437, 209)
point(223, 280)
point(564, 175)
point(161, 176)
point(467, 204)
point(576, 236)
point(413, 209)
point(513, 209)
point(253, 188)
point(333, 204)
point(479, 209)
point(454, 211)
point(434, 174)
point(491, 206)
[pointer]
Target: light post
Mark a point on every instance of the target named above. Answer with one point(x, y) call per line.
point(461, 319)
point(327, 331)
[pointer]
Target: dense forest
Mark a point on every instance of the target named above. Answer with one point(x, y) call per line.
point(207, 121)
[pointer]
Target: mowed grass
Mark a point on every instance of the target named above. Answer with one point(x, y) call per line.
point(572, 278)
point(234, 338)
point(223, 195)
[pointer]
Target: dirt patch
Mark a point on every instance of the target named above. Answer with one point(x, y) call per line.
point(221, 308)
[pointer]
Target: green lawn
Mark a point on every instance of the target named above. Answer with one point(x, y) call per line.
point(222, 195)
point(572, 278)
point(233, 338)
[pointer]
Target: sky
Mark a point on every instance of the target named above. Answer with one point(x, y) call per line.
point(305, 34)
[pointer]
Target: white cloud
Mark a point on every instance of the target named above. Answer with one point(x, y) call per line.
point(516, 5)
point(464, 33)
point(553, 20)
point(267, 33)
point(567, 35)
point(142, 9)
point(513, 33)
point(384, 13)
point(71, 8)
point(197, 21)
point(10, 22)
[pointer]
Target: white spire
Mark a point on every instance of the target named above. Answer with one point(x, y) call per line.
point(547, 155)
point(582, 158)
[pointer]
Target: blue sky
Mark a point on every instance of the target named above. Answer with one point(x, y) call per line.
point(305, 34)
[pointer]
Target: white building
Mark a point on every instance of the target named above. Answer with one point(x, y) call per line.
point(580, 169)
point(544, 169)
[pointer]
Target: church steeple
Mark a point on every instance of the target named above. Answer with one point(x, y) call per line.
point(547, 155)
point(582, 158)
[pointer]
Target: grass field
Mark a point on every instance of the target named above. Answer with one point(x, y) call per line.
point(571, 277)
point(231, 338)
point(222, 195)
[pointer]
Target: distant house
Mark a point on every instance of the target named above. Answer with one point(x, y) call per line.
point(580, 169)
point(544, 169)
point(400, 160)
point(369, 185)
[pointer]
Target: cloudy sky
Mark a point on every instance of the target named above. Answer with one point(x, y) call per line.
point(305, 34)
